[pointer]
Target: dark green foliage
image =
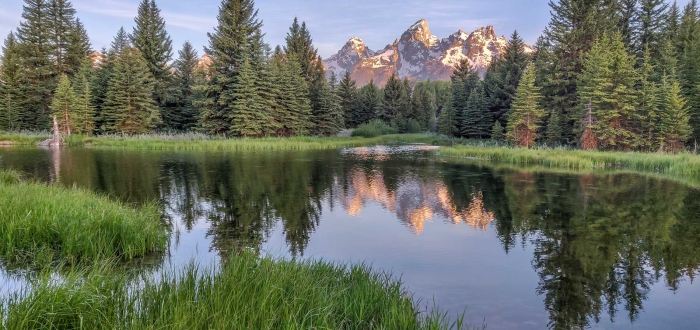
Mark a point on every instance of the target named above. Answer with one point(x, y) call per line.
point(84, 114)
point(300, 44)
point(574, 27)
point(504, 78)
point(497, 132)
point(35, 51)
point(63, 105)
point(688, 51)
point(628, 21)
point(526, 114)
point(328, 117)
point(652, 21)
point(248, 117)
point(235, 40)
point(396, 100)
point(607, 83)
point(477, 121)
point(129, 106)
point(648, 105)
point(674, 128)
point(10, 85)
point(373, 128)
point(121, 41)
point(78, 48)
point(62, 22)
point(447, 120)
point(347, 91)
point(464, 80)
point(369, 103)
point(180, 114)
point(553, 132)
point(149, 36)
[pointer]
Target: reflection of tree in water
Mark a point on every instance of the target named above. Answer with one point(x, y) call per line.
point(600, 242)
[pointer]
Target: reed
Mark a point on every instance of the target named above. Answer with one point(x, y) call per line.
point(40, 224)
point(248, 292)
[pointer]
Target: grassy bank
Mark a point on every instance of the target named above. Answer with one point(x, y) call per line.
point(194, 141)
point(247, 293)
point(681, 165)
point(41, 223)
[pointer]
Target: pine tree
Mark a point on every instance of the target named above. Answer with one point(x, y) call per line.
point(235, 39)
point(628, 23)
point(183, 115)
point(607, 83)
point(395, 98)
point(61, 16)
point(652, 20)
point(300, 44)
point(329, 118)
point(10, 89)
point(688, 50)
point(39, 80)
point(476, 119)
point(674, 128)
point(84, 114)
point(63, 106)
point(129, 107)
point(446, 122)
point(553, 132)
point(369, 103)
point(526, 113)
point(648, 103)
point(508, 72)
point(120, 43)
point(672, 27)
point(78, 48)
point(347, 91)
point(248, 117)
point(464, 79)
point(497, 133)
point(294, 99)
point(151, 38)
point(574, 27)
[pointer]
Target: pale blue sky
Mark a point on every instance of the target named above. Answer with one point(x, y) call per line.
point(332, 22)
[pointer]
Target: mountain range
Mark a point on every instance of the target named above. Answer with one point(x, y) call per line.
point(417, 55)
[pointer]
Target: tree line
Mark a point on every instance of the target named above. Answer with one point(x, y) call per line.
point(605, 74)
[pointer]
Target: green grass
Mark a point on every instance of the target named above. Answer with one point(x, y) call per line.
point(23, 138)
point(680, 165)
point(194, 141)
point(40, 224)
point(247, 293)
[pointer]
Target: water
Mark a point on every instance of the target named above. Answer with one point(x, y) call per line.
point(513, 249)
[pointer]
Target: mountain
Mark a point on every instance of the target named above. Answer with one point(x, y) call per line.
point(417, 55)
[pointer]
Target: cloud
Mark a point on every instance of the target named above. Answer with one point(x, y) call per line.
point(121, 9)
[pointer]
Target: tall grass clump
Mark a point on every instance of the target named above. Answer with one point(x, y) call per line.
point(23, 137)
point(248, 292)
point(41, 223)
point(686, 165)
point(372, 129)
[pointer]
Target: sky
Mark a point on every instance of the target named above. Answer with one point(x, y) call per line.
point(331, 23)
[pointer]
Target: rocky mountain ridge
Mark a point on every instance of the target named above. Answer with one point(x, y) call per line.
point(418, 55)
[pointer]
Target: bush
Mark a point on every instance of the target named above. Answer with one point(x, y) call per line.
point(373, 128)
point(412, 126)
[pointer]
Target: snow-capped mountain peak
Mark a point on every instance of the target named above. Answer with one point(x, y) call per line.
point(418, 55)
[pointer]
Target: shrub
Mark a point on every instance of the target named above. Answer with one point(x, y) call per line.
point(373, 128)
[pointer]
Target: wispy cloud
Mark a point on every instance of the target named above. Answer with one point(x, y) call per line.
point(122, 9)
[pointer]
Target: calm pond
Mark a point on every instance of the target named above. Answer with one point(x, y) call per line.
point(511, 249)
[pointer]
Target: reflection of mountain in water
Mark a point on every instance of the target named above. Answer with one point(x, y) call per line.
point(413, 202)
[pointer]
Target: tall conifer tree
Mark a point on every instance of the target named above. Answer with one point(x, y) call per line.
point(84, 118)
point(78, 48)
point(61, 15)
point(39, 82)
point(151, 38)
point(248, 117)
point(63, 106)
point(525, 116)
point(508, 72)
point(129, 107)
point(607, 84)
point(347, 91)
point(652, 21)
point(233, 42)
point(369, 103)
point(183, 115)
point(11, 72)
point(329, 116)
point(674, 125)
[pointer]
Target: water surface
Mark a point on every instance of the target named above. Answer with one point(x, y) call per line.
point(513, 249)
